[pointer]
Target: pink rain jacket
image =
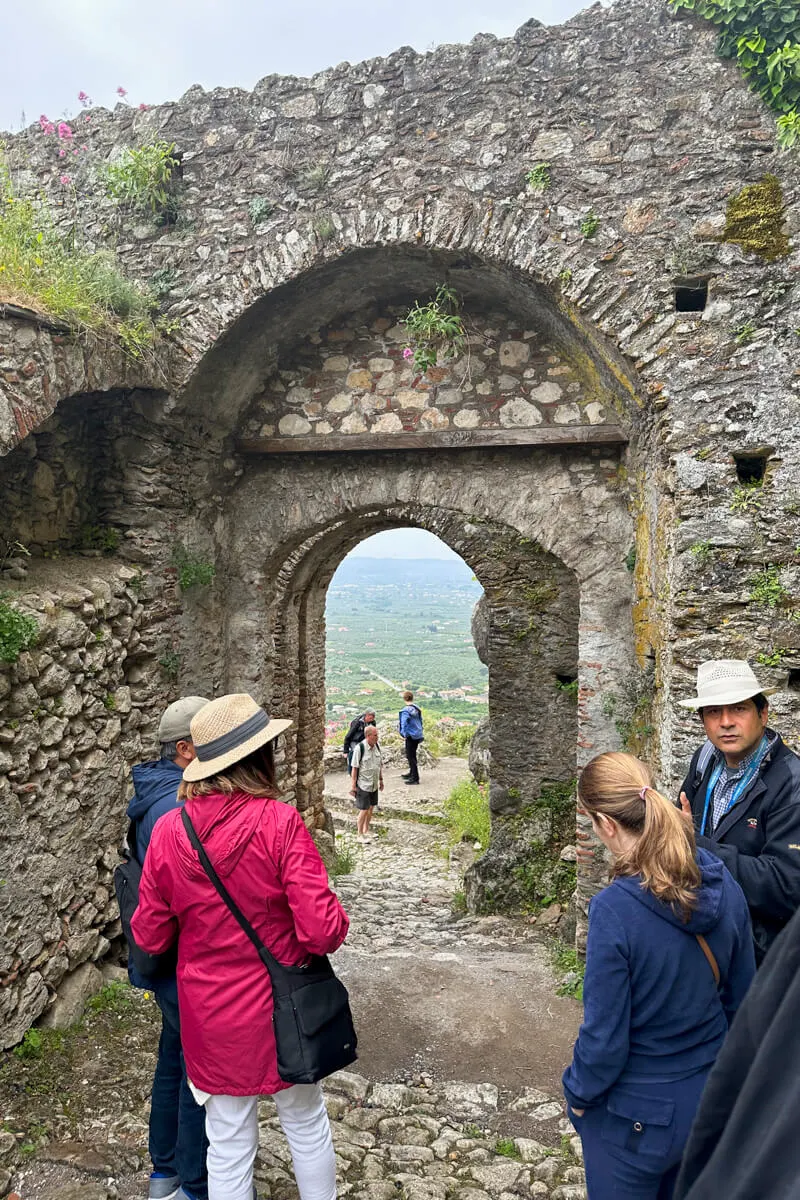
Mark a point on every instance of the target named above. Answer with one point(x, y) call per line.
point(267, 860)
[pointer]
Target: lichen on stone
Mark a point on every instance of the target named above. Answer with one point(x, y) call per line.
point(754, 219)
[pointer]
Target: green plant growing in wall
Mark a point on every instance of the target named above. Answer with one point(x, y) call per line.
point(772, 658)
point(766, 588)
point(170, 663)
point(192, 571)
point(590, 224)
point(144, 180)
point(565, 276)
point(162, 282)
point(538, 178)
point(764, 36)
point(569, 687)
point(703, 553)
point(324, 228)
point(260, 208)
point(743, 333)
point(435, 328)
point(630, 559)
point(747, 497)
point(313, 178)
point(18, 631)
point(105, 538)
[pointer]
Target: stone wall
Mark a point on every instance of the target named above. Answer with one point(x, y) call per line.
point(359, 377)
point(75, 711)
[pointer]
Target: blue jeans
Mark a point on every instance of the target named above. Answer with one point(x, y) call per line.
point(178, 1142)
point(633, 1143)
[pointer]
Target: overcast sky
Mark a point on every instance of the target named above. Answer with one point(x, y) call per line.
point(156, 49)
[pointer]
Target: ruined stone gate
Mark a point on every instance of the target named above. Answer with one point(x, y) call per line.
point(614, 454)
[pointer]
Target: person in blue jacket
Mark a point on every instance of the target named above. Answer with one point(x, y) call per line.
point(410, 726)
point(177, 1142)
point(669, 959)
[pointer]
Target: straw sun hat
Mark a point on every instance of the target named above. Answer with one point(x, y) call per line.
point(227, 730)
point(725, 681)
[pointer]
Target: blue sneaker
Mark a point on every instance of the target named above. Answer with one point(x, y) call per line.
point(163, 1187)
point(182, 1194)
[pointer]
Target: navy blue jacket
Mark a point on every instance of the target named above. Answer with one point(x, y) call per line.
point(410, 722)
point(156, 792)
point(759, 839)
point(652, 1011)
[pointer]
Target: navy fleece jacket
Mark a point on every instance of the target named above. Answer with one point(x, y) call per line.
point(156, 792)
point(652, 1011)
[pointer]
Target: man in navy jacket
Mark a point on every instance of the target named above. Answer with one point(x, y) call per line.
point(178, 1142)
point(743, 793)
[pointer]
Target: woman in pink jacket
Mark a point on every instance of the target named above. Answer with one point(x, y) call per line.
point(267, 860)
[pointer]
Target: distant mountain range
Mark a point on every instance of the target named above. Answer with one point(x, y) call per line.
point(440, 573)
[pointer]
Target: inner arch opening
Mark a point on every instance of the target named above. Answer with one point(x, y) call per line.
point(528, 640)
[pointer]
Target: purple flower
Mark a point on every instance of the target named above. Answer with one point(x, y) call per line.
point(65, 179)
point(64, 131)
point(143, 107)
point(121, 91)
point(61, 152)
point(84, 99)
point(408, 352)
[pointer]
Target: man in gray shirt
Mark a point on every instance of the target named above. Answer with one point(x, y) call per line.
point(366, 780)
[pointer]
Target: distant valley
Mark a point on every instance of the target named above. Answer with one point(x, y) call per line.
point(395, 623)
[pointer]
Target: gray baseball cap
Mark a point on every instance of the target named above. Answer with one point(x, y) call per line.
point(174, 725)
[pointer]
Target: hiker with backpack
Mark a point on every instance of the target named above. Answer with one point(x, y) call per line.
point(177, 1141)
point(410, 726)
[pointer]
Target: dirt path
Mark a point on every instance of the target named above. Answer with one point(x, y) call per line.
point(467, 998)
point(462, 1040)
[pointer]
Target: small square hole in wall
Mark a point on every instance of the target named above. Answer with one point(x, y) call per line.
point(691, 293)
point(794, 679)
point(752, 467)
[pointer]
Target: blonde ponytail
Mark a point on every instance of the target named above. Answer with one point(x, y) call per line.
point(621, 787)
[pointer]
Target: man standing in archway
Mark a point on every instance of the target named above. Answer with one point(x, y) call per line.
point(367, 780)
point(410, 726)
point(355, 734)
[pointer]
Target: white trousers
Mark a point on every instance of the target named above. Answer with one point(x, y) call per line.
point(232, 1130)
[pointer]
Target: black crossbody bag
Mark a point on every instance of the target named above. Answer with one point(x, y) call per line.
point(311, 1018)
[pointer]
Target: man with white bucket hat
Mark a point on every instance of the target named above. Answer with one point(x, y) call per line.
point(743, 794)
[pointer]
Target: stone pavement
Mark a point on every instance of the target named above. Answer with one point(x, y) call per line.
point(462, 1040)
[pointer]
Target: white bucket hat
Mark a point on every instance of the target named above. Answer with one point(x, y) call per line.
point(227, 730)
point(725, 681)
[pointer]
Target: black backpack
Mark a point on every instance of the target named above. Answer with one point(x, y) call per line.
point(126, 885)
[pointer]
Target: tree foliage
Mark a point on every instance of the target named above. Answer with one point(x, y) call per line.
point(764, 36)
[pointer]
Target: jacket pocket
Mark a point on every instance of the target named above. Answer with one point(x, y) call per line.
point(642, 1125)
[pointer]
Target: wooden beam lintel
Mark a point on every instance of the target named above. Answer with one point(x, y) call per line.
point(555, 437)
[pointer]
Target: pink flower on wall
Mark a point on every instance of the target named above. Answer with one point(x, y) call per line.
point(143, 107)
point(408, 352)
point(61, 152)
point(64, 131)
point(121, 92)
point(65, 179)
point(84, 99)
point(46, 125)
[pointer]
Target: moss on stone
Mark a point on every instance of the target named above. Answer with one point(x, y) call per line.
point(754, 219)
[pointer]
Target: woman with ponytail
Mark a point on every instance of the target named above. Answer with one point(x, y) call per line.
point(669, 958)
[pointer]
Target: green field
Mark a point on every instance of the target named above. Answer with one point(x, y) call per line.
point(402, 623)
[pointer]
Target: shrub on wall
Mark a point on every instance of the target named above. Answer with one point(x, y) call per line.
point(144, 180)
point(764, 36)
point(42, 268)
point(18, 631)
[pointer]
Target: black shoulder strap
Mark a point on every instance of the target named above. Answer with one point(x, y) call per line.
point(269, 960)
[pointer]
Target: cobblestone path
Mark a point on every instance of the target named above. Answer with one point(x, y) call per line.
point(462, 1040)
